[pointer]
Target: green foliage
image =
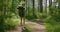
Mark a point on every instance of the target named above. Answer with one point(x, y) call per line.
point(9, 22)
point(52, 25)
point(8, 14)
point(1, 25)
point(57, 28)
point(28, 28)
point(52, 22)
point(25, 30)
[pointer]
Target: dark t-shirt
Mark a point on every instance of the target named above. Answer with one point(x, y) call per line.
point(21, 11)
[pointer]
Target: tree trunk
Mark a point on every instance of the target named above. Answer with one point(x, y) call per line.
point(41, 6)
point(50, 6)
point(33, 6)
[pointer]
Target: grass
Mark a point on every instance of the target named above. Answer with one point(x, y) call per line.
point(52, 28)
point(25, 30)
point(28, 28)
point(52, 25)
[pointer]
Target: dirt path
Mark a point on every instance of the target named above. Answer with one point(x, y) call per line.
point(36, 27)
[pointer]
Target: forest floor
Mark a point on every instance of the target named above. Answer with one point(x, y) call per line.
point(37, 26)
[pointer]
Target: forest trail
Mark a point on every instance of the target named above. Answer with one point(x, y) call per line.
point(37, 26)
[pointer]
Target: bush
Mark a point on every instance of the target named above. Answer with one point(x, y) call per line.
point(1, 25)
point(8, 21)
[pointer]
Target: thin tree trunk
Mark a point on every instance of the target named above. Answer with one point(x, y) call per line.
point(33, 6)
point(41, 6)
point(58, 4)
point(46, 7)
point(50, 6)
point(38, 5)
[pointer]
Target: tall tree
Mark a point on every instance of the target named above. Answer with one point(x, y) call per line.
point(50, 6)
point(40, 8)
point(33, 6)
point(45, 6)
point(54, 8)
point(58, 3)
point(28, 7)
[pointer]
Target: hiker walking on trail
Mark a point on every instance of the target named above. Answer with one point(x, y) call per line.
point(21, 11)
